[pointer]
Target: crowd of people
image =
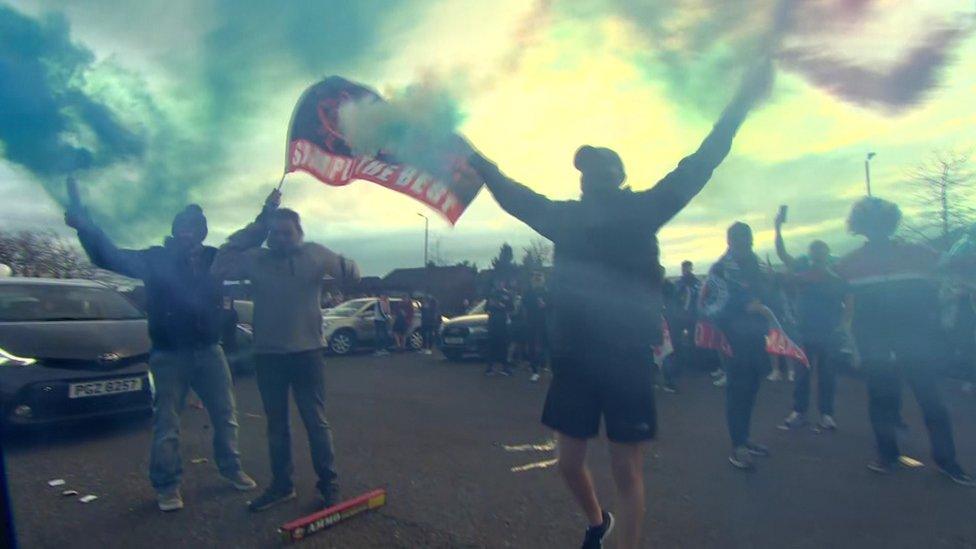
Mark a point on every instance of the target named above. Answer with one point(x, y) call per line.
point(599, 321)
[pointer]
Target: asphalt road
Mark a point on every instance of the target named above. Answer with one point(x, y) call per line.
point(434, 434)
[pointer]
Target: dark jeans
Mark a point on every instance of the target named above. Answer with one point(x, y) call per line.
point(497, 345)
point(174, 373)
point(538, 347)
point(304, 373)
point(746, 367)
point(382, 334)
point(884, 383)
point(670, 370)
point(430, 335)
point(821, 360)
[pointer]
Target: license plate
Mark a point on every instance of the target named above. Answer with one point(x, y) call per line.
point(104, 387)
point(454, 340)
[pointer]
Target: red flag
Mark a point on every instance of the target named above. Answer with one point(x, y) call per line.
point(317, 146)
point(708, 336)
point(778, 343)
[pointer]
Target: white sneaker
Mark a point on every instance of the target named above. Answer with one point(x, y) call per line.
point(169, 500)
point(740, 458)
point(534, 378)
point(717, 373)
point(827, 422)
point(775, 376)
point(793, 421)
point(721, 380)
point(428, 352)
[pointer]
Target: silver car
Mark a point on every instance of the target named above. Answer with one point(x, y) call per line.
point(350, 325)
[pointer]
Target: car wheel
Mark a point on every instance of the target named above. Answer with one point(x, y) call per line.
point(416, 340)
point(342, 342)
point(452, 355)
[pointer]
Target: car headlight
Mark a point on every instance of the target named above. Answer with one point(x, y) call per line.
point(8, 359)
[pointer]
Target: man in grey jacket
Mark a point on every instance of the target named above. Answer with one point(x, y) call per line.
point(286, 282)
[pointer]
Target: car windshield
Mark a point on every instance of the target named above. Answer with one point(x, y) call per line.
point(349, 308)
point(52, 302)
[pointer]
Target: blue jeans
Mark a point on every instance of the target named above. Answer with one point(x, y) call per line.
point(174, 373)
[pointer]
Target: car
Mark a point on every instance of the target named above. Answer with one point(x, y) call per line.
point(466, 334)
point(70, 349)
point(350, 325)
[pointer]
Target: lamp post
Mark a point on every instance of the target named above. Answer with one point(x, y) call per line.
point(867, 171)
point(426, 233)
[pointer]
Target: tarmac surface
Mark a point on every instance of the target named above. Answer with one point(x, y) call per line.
point(467, 464)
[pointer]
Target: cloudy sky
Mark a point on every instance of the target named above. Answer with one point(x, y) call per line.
point(157, 104)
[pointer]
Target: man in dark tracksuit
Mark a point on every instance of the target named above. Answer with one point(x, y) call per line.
point(820, 304)
point(499, 306)
point(605, 313)
point(737, 293)
point(534, 306)
point(892, 312)
point(183, 302)
point(286, 281)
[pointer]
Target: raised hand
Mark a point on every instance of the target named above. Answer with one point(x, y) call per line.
point(75, 215)
point(273, 201)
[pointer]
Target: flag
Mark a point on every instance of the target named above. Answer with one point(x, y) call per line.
point(316, 146)
point(708, 336)
point(778, 343)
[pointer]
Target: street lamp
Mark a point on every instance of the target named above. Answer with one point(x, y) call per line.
point(867, 171)
point(426, 233)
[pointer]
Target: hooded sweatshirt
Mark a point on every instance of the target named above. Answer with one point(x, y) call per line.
point(183, 300)
point(606, 279)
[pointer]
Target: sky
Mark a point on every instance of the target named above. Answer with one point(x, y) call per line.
point(161, 103)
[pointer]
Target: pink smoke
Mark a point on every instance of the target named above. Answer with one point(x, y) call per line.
point(899, 86)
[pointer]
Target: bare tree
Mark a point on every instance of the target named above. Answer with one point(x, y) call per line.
point(540, 250)
point(43, 254)
point(942, 188)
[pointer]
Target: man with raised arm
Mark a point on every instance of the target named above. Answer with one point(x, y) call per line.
point(605, 294)
point(286, 281)
point(183, 305)
point(820, 304)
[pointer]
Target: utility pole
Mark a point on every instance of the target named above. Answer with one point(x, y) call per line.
point(867, 171)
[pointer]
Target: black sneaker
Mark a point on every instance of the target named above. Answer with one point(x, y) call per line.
point(882, 467)
point(329, 496)
point(957, 475)
point(270, 498)
point(596, 534)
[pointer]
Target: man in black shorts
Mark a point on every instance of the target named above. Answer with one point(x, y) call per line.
point(605, 315)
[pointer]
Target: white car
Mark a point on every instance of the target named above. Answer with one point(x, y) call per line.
point(350, 325)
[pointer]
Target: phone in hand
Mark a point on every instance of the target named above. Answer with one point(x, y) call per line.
point(781, 216)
